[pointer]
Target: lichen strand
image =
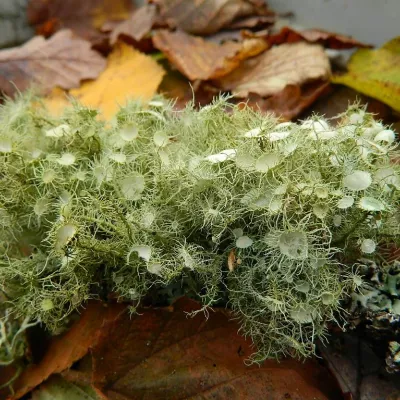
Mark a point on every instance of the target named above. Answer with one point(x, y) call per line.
point(159, 197)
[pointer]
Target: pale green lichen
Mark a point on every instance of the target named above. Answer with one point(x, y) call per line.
point(158, 199)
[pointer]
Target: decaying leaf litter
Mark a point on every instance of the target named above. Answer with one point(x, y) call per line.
point(186, 50)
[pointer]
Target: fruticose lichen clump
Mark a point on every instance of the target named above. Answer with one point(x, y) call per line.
point(159, 198)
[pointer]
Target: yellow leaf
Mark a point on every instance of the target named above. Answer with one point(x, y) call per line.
point(129, 74)
point(375, 73)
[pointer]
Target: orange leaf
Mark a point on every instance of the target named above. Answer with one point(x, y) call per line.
point(200, 59)
point(63, 60)
point(163, 354)
point(270, 72)
point(65, 349)
point(83, 17)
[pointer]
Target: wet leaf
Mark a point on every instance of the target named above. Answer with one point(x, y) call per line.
point(203, 17)
point(83, 17)
point(129, 74)
point(375, 73)
point(327, 39)
point(56, 388)
point(291, 101)
point(63, 60)
point(137, 26)
point(65, 349)
point(269, 73)
point(163, 354)
point(197, 58)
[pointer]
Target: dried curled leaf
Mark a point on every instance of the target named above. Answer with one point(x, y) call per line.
point(327, 39)
point(137, 26)
point(270, 72)
point(204, 17)
point(375, 73)
point(64, 350)
point(63, 60)
point(291, 101)
point(200, 59)
point(83, 17)
point(253, 21)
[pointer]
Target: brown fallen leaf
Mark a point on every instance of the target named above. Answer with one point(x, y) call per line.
point(253, 21)
point(84, 18)
point(129, 74)
point(137, 26)
point(226, 36)
point(270, 72)
point(65, 349)
point(197, 58)
point(327, 39)
point(63, 60)
point(338, 100)
point(291, 101)
point(176, 87)
point(163, 354)
point(203, 17)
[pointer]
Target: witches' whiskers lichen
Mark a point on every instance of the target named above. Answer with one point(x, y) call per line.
point(158, 199)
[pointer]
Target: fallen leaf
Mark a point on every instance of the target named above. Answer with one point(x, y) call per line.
point(84, 18)
point(176, 87)
point(225, 36)
point(197, 58)
point(8, 374)
point(291, 101)
point(137, 26)
point(253, 21)
point(129, 74)
point(56, 388)
point(375, 73)
point(63, 60)
point(163, 354)
point(270, 72)
point(327, 39)
point(338, 100)
point(203, 17)
point(65, 349)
